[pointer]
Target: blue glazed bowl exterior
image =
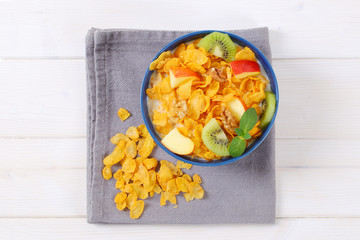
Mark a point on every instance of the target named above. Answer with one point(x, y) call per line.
point(189, 37)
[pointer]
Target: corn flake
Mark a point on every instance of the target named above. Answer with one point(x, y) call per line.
point(162, 57)
point(147, 147)
point(131, 149)
point(184, 90)
point(245, 54)
point(123, 114)
point(107, 174)
point(132, 133)
point(181, 164)
point(120, 197)
point(196, 190)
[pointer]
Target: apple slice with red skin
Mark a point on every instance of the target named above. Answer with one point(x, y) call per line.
point(179, 75)
point(245, 68)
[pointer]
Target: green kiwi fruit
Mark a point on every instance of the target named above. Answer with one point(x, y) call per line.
point(215, 139)
point(219, 44)
point(270, 106)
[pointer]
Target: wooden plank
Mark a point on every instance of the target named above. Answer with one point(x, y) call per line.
point(43, 98)
point(77, 228)
point(35, 153)
point(318, 192)
point(47, 98)
point(301, 192)
point(318, 98)
point(317, 153)
point(71, 153)
point(58, 28)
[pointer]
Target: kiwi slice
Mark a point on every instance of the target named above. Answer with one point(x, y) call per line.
point(219, 44)
point(270, 106)
point(215, 139)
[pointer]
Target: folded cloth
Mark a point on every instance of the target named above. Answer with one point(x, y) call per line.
point(116, 61)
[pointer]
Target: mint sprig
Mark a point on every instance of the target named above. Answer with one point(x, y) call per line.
point(247, 122)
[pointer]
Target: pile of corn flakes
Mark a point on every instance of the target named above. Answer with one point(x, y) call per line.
point(140, 177)
point(192, 104)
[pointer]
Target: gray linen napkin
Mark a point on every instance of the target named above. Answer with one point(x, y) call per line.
point(241, 192)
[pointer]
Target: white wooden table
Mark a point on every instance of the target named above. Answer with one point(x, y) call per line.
point(316, 50)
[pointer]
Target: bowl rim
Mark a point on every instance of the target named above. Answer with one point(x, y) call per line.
point(171, 46)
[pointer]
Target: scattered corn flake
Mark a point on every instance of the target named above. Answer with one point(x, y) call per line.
point(137, 209)
point(120, 184)
point(116, 156)
point(165, 172)
point(196, 190)
point(172, 187)
point(157, 189)
point(106, 172)
point(118, 174)
point(118, 137)
point(174, 170)
point(143, 132)
point(138, 177)
point(123, 114)
point(187, 177)
point(129, 165)
point(150, 163)
point(121, 206)
point(131, 149)
point(128, 188)
point(140, 192)
point(147, 148)
point(197, 178)
point(120, 197)
point(182, 184)
point(181, 164)
point(130, 200)
point(188, 197)
point(132, 133)
point(140, 143)
point(166, 196)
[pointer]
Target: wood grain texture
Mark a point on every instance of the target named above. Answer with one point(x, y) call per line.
point(77, 228)
point(301, 192)
point(47, 98)
point(299, 29)
point(70, 153)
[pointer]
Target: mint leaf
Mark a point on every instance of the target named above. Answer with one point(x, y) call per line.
point(239, 132)
point(237, 147)
point(246, 136)
point(248, 120)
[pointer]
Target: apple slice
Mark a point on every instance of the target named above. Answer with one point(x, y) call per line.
point(178, 143)
point(178, 75)
point(237, 107)
point(245, 68)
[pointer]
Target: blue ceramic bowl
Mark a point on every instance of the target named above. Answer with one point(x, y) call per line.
point(189, 37)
